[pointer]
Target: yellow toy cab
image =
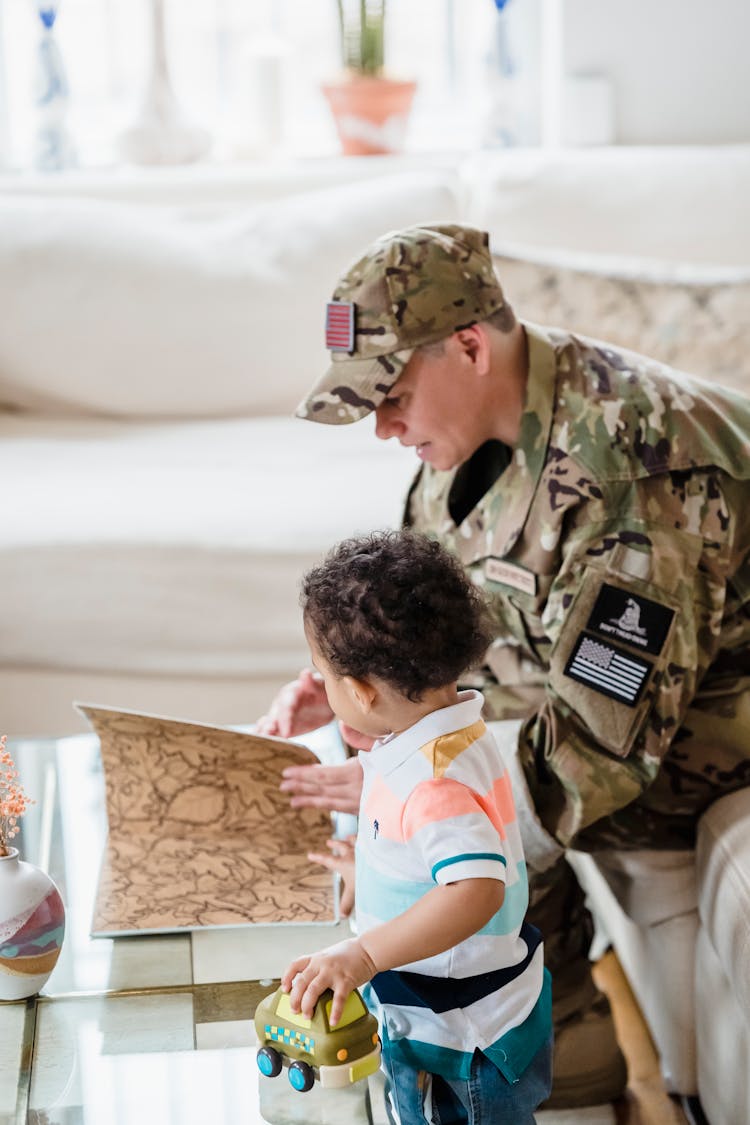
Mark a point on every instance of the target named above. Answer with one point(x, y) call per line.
point(311, 1048)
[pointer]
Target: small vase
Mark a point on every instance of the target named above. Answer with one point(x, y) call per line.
point(371, 114)
point(53, 147)
point(32, 926)
point(162, 134)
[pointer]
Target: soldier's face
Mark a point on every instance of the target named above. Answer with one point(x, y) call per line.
point(433, 408)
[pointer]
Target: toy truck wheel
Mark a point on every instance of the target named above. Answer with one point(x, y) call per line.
point(269, 1062)
point(301, 1076)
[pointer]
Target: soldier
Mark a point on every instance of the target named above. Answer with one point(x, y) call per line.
point(598, 497)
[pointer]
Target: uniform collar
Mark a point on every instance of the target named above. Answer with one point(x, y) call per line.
point(520, 480)
point(390, 752)
point(496, 521)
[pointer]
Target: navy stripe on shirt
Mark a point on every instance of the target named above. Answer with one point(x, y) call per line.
point(442, 994)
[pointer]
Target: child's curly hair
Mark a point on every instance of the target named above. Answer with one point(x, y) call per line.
point(396, 606)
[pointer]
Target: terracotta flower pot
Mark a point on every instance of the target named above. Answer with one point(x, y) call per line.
point(371, 114)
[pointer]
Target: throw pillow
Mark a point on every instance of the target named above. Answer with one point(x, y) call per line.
point(697, 320)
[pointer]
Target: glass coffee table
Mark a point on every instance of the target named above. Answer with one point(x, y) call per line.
point(150, 1028)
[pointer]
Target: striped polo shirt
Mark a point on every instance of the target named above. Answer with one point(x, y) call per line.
point(437, 807)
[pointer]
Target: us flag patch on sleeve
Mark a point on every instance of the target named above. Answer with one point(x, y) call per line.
point(340, 326)
point(608, 669)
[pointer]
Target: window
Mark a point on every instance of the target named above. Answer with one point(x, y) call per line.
point(249, 71)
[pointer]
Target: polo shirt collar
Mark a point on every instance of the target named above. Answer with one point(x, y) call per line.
point(390, 752)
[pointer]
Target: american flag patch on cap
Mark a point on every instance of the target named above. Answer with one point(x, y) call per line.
point(340, 326)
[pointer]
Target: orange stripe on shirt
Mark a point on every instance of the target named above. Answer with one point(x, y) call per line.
point(443, 798)
point(501, 797)
point(436, 800)
point(498, 805)
point(387, 808)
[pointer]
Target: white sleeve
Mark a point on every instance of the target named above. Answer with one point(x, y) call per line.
point(541, 850)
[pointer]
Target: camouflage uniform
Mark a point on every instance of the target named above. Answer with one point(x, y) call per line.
point(616, 559)
point(615, 554)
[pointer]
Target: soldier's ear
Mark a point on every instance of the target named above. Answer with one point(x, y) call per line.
point(474, 342)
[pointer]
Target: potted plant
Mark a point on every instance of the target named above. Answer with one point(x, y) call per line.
point(370, 108)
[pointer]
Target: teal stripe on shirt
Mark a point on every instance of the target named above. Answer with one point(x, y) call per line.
point(471, 856)
point(511, 914)
point(383, 897)
point(511, 1054)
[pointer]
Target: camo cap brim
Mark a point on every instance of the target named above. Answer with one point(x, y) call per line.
point(352, 388)
point(411, 287)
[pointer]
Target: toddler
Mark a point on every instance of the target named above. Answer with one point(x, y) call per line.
point(453, 971)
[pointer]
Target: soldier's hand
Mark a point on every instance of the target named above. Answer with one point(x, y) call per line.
point(341, 860)
point(299, 707)
point(335, 788)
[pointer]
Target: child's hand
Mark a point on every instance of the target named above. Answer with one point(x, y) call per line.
point(341, 860)
point(342, 968)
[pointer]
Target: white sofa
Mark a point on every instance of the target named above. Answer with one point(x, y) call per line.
point(159, 502)
point(156, 338)
point(680, 922)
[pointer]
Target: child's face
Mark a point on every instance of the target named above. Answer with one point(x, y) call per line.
point(341, 696)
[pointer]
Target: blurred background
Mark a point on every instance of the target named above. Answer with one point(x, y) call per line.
point(248, 73)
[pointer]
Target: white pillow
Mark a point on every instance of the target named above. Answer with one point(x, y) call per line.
point(680, 204)
point(130, 309)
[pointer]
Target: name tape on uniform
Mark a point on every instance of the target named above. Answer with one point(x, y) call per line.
point(498, 570)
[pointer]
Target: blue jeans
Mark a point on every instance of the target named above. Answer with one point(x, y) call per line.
point(485, 1098)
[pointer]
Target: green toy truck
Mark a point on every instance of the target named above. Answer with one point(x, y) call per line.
point(311, 1048)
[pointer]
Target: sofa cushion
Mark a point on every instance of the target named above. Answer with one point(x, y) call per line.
point(144, 310)
point(177, 547)
point(723, 1031)
point(670, 203)
point(643, 903)
point(723, 863)
point(695, 319)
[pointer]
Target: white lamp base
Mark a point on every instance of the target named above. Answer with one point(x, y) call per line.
point(161, 134)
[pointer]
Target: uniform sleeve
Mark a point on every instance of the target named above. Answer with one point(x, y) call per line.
point(633, 619)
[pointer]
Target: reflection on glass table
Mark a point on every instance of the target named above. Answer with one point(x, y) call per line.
point(144, 1028)
point(171, 1059)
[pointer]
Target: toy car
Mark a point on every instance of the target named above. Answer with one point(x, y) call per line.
point(311, 1048)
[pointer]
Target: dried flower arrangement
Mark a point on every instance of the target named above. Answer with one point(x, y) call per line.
point(13, 800)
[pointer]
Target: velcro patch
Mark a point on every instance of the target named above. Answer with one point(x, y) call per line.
point(608, 669)
point(340, 326)
point(624, 616)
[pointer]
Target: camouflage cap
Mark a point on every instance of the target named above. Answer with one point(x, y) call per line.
point(411, 287)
